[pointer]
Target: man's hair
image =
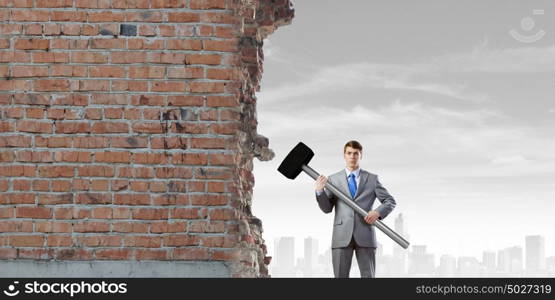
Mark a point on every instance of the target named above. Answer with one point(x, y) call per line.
point(352, 144)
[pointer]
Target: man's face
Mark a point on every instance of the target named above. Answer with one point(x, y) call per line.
point(352, 156)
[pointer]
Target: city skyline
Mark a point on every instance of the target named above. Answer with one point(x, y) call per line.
point(513, 261)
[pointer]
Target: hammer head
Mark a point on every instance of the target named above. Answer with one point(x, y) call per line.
point(292, 165)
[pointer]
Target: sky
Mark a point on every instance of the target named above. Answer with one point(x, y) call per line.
point(451, 100)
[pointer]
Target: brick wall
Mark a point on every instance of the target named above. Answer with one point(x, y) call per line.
point(128, 130)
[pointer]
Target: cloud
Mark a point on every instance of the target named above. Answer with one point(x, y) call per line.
point(435, 76)
point(510, 160)
point(414, 137)
point(508, 60)
point(366, 75)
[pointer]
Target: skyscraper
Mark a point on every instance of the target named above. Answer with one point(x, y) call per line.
point(447, 266)
point(421, 263)
point(535, 254)
point(310, 257)
point(399, 261)
point(488, 261)
point(285, 257)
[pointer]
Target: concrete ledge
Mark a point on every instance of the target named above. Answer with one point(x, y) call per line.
point(121, 269)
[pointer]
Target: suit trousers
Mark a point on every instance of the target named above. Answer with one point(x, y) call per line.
point(342, 258)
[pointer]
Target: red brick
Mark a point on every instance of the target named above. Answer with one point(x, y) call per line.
point(107, 43)
point(184, 72)
point(131, 199)
point(165, 30)
point(73, 254)
point(218, 241)
point(143, 127)
point(89, 57)
point(208, 143)
point(134, 227)
point(183, 17)
point(148, 254)
point(54, 3)
point(33, 156)
point(91, 227)
point(207, 87)
point(50, 199)
point(189, 158)
point(46, 85)
point(109, 99)
point(73, 127)
point(50, 57)
point(71, 29)
point(58, 227)
point(34, 113)
point(112, 157)
point(129, 142)
point(106, 71)
point(187, 213)
point(95, 171)
point(29, 71)
point(167, 86)
point(207, 4)
point(16, 226)
point(73, 156)
point(110, 127)
point(121, 213)
point(180, 240)
point(222, 214)
point(209, 200)
point(128, 57)
point(184, 44)
point(61, 185)
point(59, 241)
point(190, 254)
point(29, 15)
point(221, 74)
point(168, 227)
point(146, 72)
point(203, 59)
point(220, 159)
point(227, 255)
point(142, 241)
point(56, 171)
point(149, 158)
point(34, 212)
point(90, 142)
point(26, 240)
point(34, 126)
point(113, 254)
point(150, 213)
point(94, 85)
point(222, 46)
point(169, 143)
point(153, 16)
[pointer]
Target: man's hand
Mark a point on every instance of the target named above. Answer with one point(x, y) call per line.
point(372, 216)
point(321, 182)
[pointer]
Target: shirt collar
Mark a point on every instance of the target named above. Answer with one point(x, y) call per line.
point(356, 172)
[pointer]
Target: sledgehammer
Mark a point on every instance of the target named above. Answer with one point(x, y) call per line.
point(297, 160)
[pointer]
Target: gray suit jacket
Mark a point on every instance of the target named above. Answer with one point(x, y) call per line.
point(348, 223)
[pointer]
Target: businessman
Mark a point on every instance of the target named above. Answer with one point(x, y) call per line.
point(352, 232)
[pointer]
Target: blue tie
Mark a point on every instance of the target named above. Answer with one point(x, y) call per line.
point(352, 185)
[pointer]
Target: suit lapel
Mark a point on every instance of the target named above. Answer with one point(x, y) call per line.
point(363, 179)
point(344, 185)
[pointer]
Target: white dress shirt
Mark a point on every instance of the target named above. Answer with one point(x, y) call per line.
point(347, 173)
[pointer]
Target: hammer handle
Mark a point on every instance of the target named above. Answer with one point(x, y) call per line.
point(378, 223)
